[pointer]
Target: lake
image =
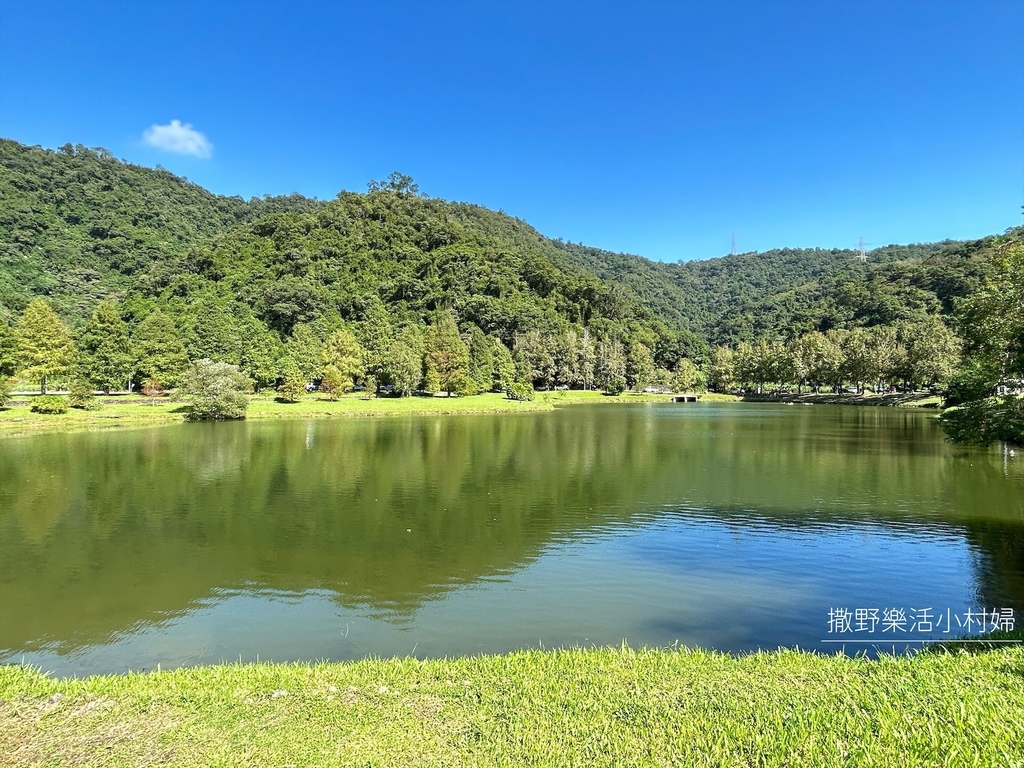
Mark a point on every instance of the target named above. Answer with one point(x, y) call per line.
point(730, 526)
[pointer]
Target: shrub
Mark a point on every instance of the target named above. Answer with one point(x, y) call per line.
point(983, 422)
point(215, 391)
point(5, 389)
point(153, 389)
point(519, 391)
point(50, 404)
point(81, 395)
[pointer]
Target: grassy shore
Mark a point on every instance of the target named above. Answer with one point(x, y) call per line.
point(890, 399)
point(123, 411)
point(575, 707)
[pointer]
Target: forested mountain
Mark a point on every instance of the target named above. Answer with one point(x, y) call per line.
point(149, 271)
point(787, 292)
point(78, 225)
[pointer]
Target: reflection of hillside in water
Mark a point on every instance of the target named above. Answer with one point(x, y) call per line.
point(101, 532)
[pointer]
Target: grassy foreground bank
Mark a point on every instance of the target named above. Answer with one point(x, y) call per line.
point(534, 708)
point(121, 411)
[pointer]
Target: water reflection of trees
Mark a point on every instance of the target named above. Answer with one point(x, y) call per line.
point(99, 532)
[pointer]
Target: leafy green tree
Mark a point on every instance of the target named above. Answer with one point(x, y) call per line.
point(722, 373)
point(306, 349)
point(446, 354)
point(106, 351)
point(45, 348)
point(259, 355)
point(687, 377)
point(375, 334)
point(639, 366)
point(5, 390)
point(611, 366)
point(159, 352)
point(333, 383)
point(587, 360)
point(859, 360)
point(403, 363)
point(215, 332)
point(932, 351)
point(831, 359)
point(293, 384)
point(503, 374)
point(345, 353)
point(481, 360)
point(215, 391)
point(533, 351)
point(986, 421)
point(992, 320)
point(8, 350)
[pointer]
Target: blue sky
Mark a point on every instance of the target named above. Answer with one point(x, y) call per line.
point(657, 128)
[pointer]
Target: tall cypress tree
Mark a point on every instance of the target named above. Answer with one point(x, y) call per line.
point(106, 349)
point(159, 352)
point(45, 348)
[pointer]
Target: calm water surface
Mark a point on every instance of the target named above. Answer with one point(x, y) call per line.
point(733, 526)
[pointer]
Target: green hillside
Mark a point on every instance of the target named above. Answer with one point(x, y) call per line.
point(148, 272)
point(786, 292)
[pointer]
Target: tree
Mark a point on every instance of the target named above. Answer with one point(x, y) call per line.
point(45, 348)
point(293, 383)
point(215, 391)
point(334, 383)
point(446, 354)
point(375, 335)
point(639, 366)
point(306, 350)
point(261, 350)
point(992, 320)
point(159, 352)
point(397, 183)
point(687, 377)
point(8, 350)
point(342, 351)
point(611, 366)
point(481, 360)
point(504, 371)
point(403, 363)
point(106, 350)
point(723, 369)
point(533, 352)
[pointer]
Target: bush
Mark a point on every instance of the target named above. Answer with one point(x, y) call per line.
point(616, 386)
point(215, 391)
point(153, 388)
point(50, 404)
point(519, 391)
point(5, 389)
point(983, 422)
point(81, 395)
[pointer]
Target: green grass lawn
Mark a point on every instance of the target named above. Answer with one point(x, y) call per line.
point(121, 411)
point(535, 708)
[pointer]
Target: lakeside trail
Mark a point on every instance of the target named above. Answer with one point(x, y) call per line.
point(593, 707)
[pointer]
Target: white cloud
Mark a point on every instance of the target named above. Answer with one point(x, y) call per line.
point(180, 138)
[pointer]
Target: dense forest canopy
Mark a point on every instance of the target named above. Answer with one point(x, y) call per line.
point(141, 272)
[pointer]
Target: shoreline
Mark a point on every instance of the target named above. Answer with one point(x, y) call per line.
point(124, 411)
point(596, 706)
